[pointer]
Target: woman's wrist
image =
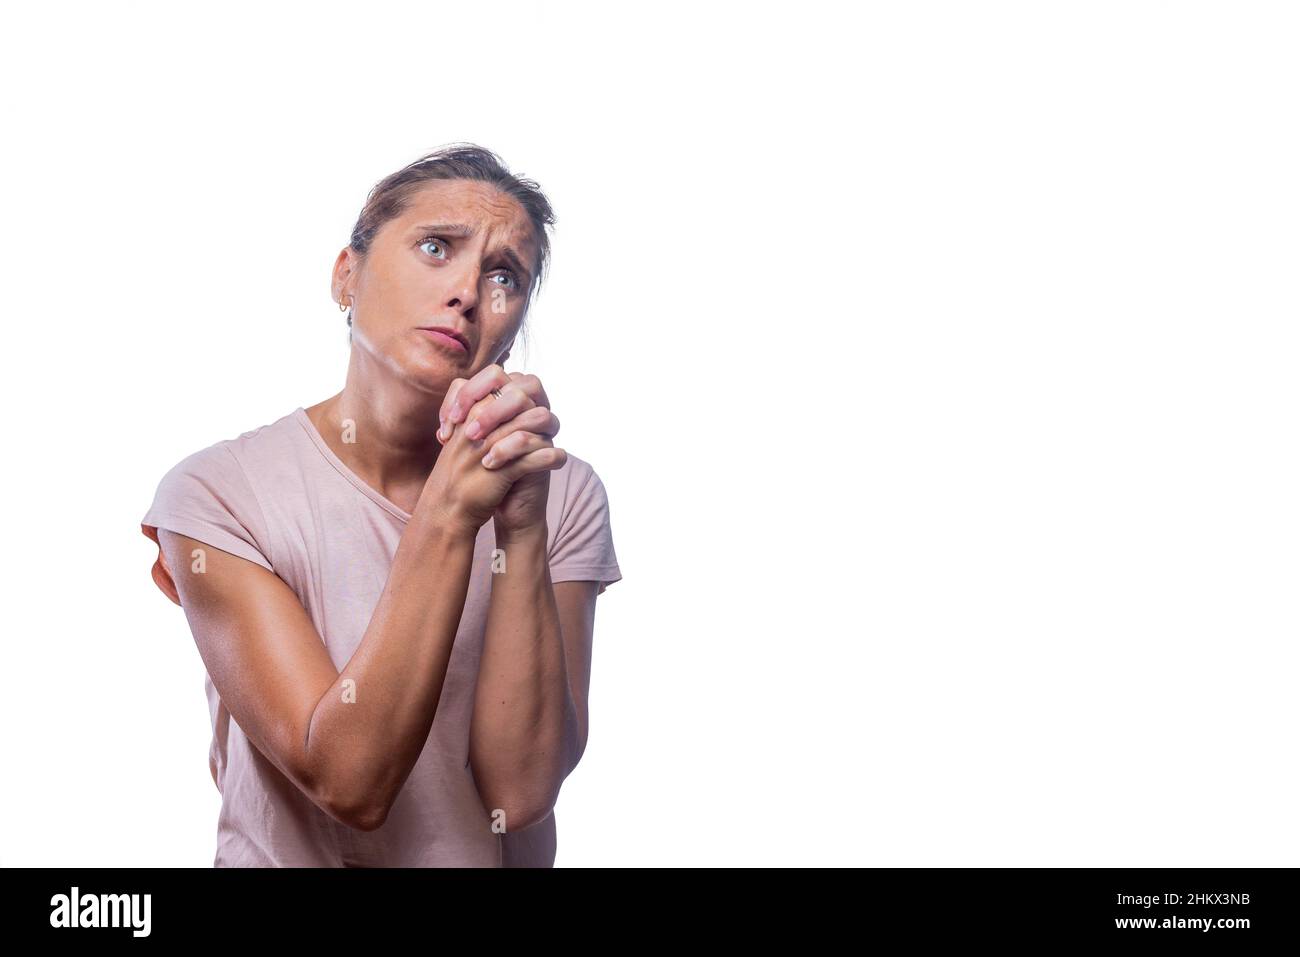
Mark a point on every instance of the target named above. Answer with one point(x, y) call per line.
point(439, 522)
point(534, 534)
point(436, 511)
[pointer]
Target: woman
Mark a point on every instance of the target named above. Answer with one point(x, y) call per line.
point(393, 590)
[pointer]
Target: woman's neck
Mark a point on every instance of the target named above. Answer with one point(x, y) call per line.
point(384, 431)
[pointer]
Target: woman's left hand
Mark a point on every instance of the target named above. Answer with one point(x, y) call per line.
point(516, 424)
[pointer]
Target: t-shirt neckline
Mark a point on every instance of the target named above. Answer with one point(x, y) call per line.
point(309, 427)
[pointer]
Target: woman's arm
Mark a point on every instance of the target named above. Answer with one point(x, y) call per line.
point(347, 739)
point(529, 726)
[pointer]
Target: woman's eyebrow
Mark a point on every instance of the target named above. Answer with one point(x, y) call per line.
point(464, 232)
point(447, 229)
point(513, 258)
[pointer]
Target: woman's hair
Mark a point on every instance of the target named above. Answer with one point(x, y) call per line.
point(391, 196)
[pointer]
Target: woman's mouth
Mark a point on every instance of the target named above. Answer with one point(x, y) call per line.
point(447, 337)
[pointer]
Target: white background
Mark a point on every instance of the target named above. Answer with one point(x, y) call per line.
point(939, 360)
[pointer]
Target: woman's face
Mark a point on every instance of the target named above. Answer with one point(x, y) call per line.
point(461, 258)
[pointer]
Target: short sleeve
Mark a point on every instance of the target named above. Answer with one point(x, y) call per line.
point(207, 497)
point(584, 543)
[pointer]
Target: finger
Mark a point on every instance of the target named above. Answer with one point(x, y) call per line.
point(444, 430)
point(513, 446)
point(491, 412)
point(538, 419)
point(532, 387)
point(536, 461)
point(480, 384)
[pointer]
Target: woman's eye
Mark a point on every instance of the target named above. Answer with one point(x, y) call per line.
point(513, 283)
point(442, 254)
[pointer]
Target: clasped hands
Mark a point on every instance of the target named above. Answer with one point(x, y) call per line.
point(497, 450)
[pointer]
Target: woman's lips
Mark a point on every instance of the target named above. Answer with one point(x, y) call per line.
point(447, 337)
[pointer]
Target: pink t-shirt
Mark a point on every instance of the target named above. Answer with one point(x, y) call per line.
point(280, 497)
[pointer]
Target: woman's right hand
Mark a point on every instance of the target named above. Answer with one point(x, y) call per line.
point(463, 491)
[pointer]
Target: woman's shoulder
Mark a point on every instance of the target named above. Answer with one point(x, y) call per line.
point(212, 493)
point(222, 479)
point(582, 542)
point(575, 466)
point(577, 493)
point(577, 477)
point(242, 449)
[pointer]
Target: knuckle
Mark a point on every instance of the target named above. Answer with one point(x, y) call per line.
point(453, 393)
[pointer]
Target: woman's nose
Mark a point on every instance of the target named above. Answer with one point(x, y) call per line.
point(463, 293)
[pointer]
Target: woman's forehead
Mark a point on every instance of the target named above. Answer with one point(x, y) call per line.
point(480, 206)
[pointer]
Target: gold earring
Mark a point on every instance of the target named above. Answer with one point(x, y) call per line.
point(342, 308)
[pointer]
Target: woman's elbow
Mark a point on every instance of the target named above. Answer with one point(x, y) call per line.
point(341, 794)
point(522, 813)
point(358, 807)
point(360, 815)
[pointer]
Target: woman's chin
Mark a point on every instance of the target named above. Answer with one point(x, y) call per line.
point(427, 368)
point(434, 375)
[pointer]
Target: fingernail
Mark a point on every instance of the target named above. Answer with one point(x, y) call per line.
point(488, 460)
point(442, 426)
point(473, 430)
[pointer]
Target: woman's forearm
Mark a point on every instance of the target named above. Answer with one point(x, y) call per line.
point(524, 731)
point(368, 730)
